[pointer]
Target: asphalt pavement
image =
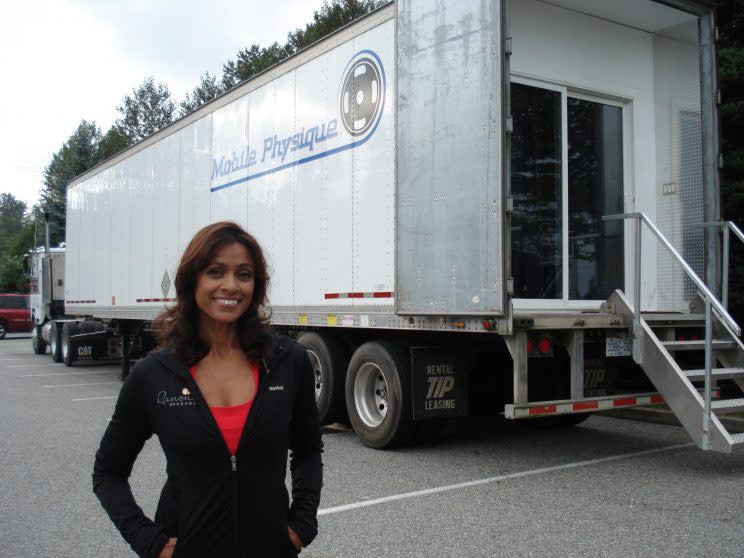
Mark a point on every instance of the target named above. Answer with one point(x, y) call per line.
point(489, 488)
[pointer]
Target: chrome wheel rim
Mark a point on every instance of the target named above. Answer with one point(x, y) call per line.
point(53, 340)
point(65, 349)
point(317, 371)
point(2, 329)
point(371, 394)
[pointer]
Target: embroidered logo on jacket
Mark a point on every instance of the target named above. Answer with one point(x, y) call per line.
point(276, 388)
point(182, 400)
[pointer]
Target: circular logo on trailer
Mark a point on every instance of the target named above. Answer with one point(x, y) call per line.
point(362, 93)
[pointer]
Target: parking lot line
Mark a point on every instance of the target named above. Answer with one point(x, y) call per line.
point(93, 398)
point(73, 385)
point(50, 365)
point(70, 373)
point(490, 480)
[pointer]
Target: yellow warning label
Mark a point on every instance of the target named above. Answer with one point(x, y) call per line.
point(302, 319)
point(331, 320)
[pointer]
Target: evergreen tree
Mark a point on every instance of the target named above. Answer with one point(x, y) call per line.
point(78, 154)
point(146, 111)
point(207, 90)
point(112, 142)
point(12, 211)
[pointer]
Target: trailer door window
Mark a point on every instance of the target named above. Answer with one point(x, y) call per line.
point(536, 186)
point(595, 188)
point(557, 227)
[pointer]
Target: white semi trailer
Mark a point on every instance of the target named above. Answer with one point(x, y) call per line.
point(467, 206)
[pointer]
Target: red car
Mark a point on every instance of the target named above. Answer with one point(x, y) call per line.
point(15, 314)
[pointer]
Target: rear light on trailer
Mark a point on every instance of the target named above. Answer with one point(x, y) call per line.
point(545, 346)
point(539, 346)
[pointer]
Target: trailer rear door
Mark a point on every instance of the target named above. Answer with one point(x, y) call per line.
point(450, 130)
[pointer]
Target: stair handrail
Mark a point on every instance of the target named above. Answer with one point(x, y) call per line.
point(726, 228)
point(641, 217)
point(711, 303)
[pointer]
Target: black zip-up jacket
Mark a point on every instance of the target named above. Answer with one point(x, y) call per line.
point(214, 503)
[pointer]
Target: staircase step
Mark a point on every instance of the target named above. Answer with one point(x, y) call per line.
point(723, 406)
point(672, 318)
point(737, 439)
point(718, 373)
point(697, 345)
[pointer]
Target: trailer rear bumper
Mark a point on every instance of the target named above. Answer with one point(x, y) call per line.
point(590, 405)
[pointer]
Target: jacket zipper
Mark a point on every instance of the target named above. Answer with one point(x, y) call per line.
point(234, 466)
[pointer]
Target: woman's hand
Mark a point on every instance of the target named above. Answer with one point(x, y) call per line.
point(295, 539)
point(168, 549)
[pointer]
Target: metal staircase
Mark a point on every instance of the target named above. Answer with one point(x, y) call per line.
point(658, 349)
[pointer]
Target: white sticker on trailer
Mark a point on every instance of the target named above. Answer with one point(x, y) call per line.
point(617, 346)
point(358, 107)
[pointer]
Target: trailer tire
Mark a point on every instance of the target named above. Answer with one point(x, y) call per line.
point(68, 329)
point(37, 342)
point(378, 394)
point(54, 342)
point(329, 360)
point(3, 329)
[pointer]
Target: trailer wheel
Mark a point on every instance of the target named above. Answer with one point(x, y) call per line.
point(54, 342)
point(3, 329)
point(37, 342)
point(329, 360)
point(378, 394)
point(68, 329)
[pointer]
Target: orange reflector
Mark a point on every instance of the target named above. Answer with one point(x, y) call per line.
point(584, 405)
point(547, 409)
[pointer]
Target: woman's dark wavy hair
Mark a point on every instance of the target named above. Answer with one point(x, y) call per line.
point(178, 327)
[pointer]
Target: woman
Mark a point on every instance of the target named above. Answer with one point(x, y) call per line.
point(226, 400)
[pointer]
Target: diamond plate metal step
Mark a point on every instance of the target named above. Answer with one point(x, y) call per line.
point(737, 439)
point(723, 406)
point(718, 373)
point(697, 345)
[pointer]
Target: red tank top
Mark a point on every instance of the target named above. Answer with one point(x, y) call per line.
point(230, 420)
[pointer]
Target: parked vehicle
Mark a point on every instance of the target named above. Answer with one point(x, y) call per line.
point(454, 198)
point(15, 315)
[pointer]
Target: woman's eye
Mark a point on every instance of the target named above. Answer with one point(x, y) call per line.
point(214, 272)
point(245, 275)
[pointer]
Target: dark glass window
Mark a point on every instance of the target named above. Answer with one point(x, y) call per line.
point(536, 187)
point(595, 188)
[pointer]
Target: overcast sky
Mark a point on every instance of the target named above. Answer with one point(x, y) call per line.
point(67, 60)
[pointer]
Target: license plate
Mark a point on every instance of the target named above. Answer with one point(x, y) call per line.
point(617, 346)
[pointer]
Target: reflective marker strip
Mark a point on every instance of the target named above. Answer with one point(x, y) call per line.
point(546, 410)
point(80, 302)
point(516, 411)
point(380, 294)
point(156, 300)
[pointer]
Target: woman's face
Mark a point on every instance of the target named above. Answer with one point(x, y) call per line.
point(224, 289)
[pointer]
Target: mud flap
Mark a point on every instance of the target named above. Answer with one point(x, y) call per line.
point(440, 383)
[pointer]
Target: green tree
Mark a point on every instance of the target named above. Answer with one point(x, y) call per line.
point(12, 211)
point(112, 142)
point(328, 19)
point(15, 238)
point(146, 111)
point(78, 154)
point(207, 90)
point(331, 16)
point(250, 62)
